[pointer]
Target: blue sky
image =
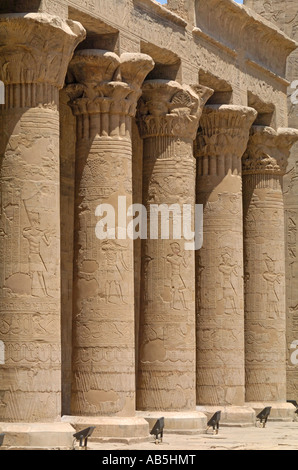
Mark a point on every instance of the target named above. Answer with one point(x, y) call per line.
point(165, 1)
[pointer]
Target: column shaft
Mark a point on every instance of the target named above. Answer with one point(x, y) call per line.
point(166, 376)
point(167, 348)
point(103, 322)
point(221, 142)
point(264, 165)
point(30, 377)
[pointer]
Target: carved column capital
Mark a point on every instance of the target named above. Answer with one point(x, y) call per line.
point(224, 130)
point(103, 82)
point(36, 48)
point(268, 150)
point(170, 109)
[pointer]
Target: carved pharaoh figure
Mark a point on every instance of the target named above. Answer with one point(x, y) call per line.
point(176, 260)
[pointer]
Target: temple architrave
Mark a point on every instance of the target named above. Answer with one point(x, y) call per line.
point(148, 216)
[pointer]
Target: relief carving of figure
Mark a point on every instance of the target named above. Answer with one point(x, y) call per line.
point(228, 268)
point(35, 235)
point(178, 286)
point(272, 277)
point(114, 272)
point(292, 231)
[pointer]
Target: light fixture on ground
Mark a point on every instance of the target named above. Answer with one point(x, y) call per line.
point(264, 415)
point(214, 422)
point(157, 430)
point(82, 437)
point(294, 402)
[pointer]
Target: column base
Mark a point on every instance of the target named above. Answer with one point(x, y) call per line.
point(126, 430)
point(281, 411)
point(177, 422)
point(37, 436)
point(232, 416)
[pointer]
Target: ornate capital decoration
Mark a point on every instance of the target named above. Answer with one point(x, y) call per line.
point(101, 82)
point(268, 150)
point(167, 108)
point(36, 48)
point(224, 130)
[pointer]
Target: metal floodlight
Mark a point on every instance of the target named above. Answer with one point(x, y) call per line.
point(214, 422)
point(1, 438)
point(264, 415)
point(157, 430)
point(82, 436)
point(294, 402)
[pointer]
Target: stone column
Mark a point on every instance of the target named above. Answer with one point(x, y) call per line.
point(264, 165)
point(104, 96)
point(168, 121)
point(35, 50)
point(221, 142)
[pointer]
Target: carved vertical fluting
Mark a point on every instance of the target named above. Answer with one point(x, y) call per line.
point(221, 142)
point(35, 50)
point(104, 96)
point(168, 120)
point(264, 165)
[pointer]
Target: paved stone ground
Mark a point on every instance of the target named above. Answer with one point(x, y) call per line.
point(275, 436)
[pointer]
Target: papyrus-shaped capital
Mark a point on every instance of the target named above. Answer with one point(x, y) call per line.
point(170, 109)
point(102, 82)
point(37, 48)
point(268, 150)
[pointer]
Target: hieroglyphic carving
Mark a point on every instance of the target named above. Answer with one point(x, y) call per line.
point(220, 144)
point(168, 118)
point(264, 165)
point(104, 89)
point(34, 50)
point(228, 268)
